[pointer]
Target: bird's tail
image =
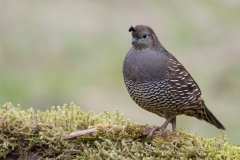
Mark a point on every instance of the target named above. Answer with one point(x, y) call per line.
point(210, 118)
point(201, 112)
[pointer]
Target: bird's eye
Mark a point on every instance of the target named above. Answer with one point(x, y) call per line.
point(145, 36)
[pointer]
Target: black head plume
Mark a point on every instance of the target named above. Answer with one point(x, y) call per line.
point(131, 29)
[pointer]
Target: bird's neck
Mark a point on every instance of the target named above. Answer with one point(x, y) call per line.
point(156, 46)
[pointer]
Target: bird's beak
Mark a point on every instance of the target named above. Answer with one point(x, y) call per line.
point(134, 40)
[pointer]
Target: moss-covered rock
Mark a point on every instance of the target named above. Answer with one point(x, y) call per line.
point(35, 135)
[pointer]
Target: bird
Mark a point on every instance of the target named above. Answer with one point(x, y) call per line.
point(159, 83)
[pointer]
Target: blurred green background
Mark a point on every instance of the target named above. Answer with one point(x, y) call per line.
point(57, 52)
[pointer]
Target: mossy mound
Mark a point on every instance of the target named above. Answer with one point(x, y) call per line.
point(38, 135)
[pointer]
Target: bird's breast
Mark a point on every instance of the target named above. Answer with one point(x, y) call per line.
point(144, 66)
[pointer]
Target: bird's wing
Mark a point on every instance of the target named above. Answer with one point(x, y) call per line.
point(181, 84)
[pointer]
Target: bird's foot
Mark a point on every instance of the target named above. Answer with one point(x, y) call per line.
point(154, 130)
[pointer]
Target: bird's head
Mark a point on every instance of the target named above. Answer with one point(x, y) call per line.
point(143, 38)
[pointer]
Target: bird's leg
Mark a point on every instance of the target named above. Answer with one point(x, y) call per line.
point(163, 127)
point(173, 121)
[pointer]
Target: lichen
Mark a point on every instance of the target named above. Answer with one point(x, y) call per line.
point(39, 135)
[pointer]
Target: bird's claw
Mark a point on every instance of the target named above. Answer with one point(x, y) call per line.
point(154, 130)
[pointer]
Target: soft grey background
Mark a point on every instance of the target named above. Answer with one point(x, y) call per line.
point(56, 52)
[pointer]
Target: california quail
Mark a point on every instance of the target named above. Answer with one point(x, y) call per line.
point(159, 83)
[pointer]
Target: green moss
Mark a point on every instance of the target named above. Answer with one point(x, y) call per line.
point(38, 135)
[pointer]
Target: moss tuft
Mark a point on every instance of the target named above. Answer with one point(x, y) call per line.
point(37, 135)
